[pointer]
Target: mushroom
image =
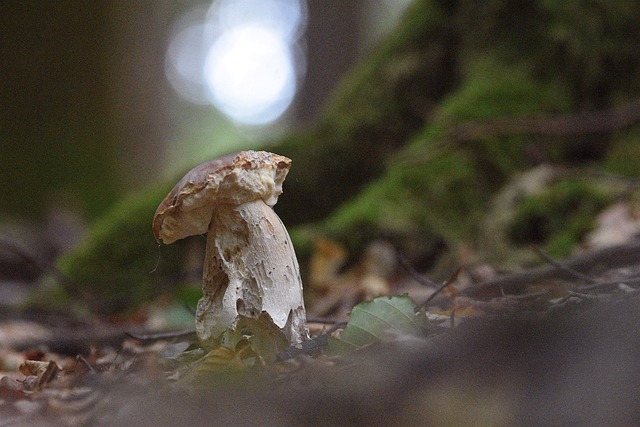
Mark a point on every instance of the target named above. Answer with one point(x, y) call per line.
point(251, 278)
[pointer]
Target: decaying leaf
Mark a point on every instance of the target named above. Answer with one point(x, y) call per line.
point(42, 372)
point(377, 320)
point(224, 360)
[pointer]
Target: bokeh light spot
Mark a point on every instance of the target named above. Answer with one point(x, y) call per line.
point(250, 74)
point(242, 56)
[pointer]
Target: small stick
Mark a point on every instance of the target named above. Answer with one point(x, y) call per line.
point(596, 286)
point(324, 320)
point(161, 335)
point(562, 267)
point(80, 358)
point(449, 281)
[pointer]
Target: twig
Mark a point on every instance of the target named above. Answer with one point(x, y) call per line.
point(161, 335)
point(324, 320)
point(610, 283)
point(527, 296)
point(560, 125)
point(562, 267)
point(72, 340)
point(80, 358)
point(449, 281)
point(609, 258)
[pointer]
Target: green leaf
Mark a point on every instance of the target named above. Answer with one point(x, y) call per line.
point(372, 322)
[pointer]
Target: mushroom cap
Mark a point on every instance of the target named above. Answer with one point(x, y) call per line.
point(229, 180)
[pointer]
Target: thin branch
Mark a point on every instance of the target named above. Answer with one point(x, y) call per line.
point(73, 340)
point(597, 259)
point(161, 335)
point(561, 125)
point(324, 320)
point(562, 267)
point(449, 281)
point(633, 281)
point(80, 358)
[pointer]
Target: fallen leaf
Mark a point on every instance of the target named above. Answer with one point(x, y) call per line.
point(374, 321)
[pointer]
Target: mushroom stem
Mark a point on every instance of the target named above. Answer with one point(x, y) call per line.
point(251, 277)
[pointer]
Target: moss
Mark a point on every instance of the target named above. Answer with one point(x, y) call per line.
point(120, 265)
point(437, 187)
point(432, 203)
point(374, 111)
point(492, 89)
point(557, 218)
point(188, 295)
point(590, 48)
point(624, 156)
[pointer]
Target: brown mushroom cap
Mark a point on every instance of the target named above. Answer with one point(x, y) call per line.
point(230, 180)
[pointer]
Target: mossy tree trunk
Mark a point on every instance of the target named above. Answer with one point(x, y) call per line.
point(586, 51)
point(387, 99)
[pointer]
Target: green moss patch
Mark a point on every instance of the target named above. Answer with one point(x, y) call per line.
point(120, 265)
point(557, 218)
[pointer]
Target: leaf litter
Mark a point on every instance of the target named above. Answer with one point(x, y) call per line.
point(397, 338)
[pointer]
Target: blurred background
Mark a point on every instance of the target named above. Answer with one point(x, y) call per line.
point(102, 98)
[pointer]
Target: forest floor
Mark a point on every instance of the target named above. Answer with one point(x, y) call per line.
point(558, 344)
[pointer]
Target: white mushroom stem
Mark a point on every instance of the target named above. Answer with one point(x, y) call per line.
point(250, 272)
